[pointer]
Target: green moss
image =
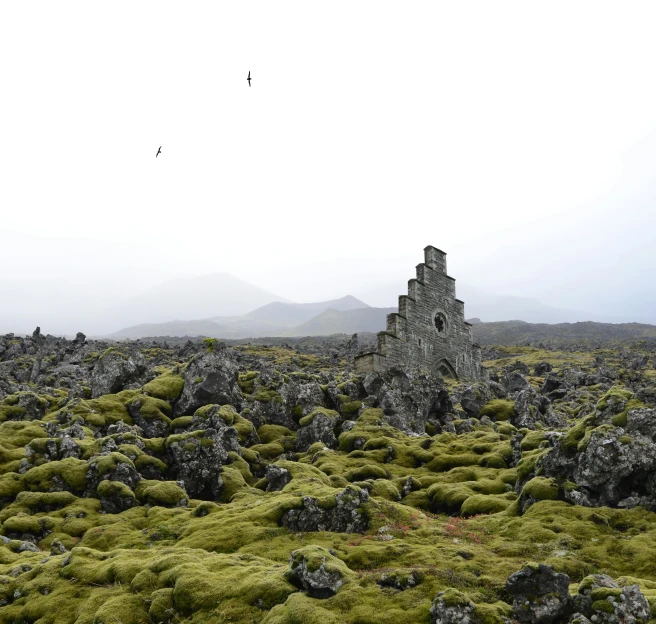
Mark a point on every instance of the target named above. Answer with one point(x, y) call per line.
point(15, 435)
point(11, 483)
point(233, 482)
point(604, 606)
point(541, 488)
point(616, 392)
point(368, 471)
point(268, 451)
point(108, 463)
point(167, 387)
point(481, 504)
point(271, 433)
point(182, 422)
point(114, 488)
point(577, 432)
point(318, 558)
point(228, 560)
point(165, 493)
point(265, 395)
point(72, 472)
point(619, 420)
point(307, 420)
point(499, 409)
point(210, 343)
point(601, 593)
point(22, 523)
point(246, 381)
point(531, 441)
point(152, 409)
point(383, 488)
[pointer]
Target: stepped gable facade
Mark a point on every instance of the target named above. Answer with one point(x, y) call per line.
point(429, 332)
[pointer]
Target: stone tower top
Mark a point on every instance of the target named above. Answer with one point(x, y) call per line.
point(435, 258)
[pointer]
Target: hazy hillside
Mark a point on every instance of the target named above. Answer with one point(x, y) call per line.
point(590, 333)
point(343, 322)
point(279, 314)
point(192, 298)
point(274, 319)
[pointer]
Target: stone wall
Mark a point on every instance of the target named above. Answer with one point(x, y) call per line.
point(429, 331)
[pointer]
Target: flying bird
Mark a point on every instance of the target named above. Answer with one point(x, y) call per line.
point(249, 78)
point(159, 151)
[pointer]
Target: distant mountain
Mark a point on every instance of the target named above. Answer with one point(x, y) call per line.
point(273, 319)
point(192, 298)
point(279, 314)
point(343, 322)
point(562, 334)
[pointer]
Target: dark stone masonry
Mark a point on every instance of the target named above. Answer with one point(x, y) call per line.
point(429, 331)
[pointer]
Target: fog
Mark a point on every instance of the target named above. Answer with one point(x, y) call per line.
point(519, 138)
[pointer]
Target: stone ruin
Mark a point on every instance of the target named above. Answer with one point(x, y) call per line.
point(429, 332)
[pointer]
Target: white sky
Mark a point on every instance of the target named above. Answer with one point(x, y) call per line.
point(517, 136)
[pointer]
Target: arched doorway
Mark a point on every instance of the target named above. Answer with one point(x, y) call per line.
point(444, 368)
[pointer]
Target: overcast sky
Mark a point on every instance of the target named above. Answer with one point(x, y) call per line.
point(518, 137)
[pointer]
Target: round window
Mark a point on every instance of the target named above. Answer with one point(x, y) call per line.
point(439, 320)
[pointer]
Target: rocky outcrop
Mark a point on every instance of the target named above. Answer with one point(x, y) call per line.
point(345, 516)
point(199, 455)
point(277, 477)
point(601, 600)
point(409, 399)
point(612, 466)
point(532, 408)
point(542, 368)
point(114, 370)
point(317, 427)
point(452, 607)
point(317, 572)
point(540, 594)
point(209, 378)
point(474, 398)
point(514, 381)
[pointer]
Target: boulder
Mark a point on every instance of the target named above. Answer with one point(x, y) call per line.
point(600, 599)
point(610, 467)
point(518, 366)
point(277, 477)
point(317, 427)
point(473, 398)
point(35, 407)
point(209, 378)
point(197, 460)
point(409, 399)
point(514, 381)
point(344, 517)
point(317, 572)
point(554, 384)
point(114, 370)
point(532, 408)
point(541, 369)
point(271, 413)
point(453, 607)
point(540, 594)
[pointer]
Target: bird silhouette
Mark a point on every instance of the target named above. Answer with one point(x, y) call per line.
point(249, 78)
point(159, 151)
